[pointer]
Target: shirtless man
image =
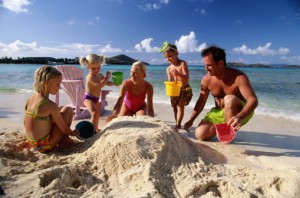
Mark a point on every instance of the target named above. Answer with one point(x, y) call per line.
point(235, 99)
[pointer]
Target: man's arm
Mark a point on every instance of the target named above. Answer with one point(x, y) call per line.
point(199, 104)
point(251, 101)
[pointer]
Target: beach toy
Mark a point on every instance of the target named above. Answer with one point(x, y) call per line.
point(117, 77)
point(86, 130)
point(173, 88)
point(225, 133)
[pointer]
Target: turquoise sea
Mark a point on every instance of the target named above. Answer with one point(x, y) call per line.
point(278, 89)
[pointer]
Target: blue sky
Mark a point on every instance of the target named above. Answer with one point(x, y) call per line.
point(251, 31)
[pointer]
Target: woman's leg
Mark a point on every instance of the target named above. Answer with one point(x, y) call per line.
point(125, 111)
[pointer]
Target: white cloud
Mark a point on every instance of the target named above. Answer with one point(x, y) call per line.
point(156, 5)
point(78, 48)
point(94, 21)
point(108, 49)
point(291, 59)
point(145, 45)
point(71, 22)
point(260, 50)
point(19, 48)
point(203, 12)
point(16, 5)
point(188, 43)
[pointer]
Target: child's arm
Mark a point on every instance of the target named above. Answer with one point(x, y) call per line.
point(59, 121)
point(150, 101)
point(105, 80)
point(169, 73)
point(109, 83)
point(183, 73)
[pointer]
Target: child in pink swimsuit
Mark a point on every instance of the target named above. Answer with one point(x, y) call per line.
point(133, 92)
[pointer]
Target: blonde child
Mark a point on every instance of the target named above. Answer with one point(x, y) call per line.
point(133, 93)
point(47, 125)
point(177, 71)
point(94, 82)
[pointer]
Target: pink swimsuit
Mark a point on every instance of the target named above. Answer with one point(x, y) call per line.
point(133, 102)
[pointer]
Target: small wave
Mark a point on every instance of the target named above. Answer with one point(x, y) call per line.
point(287, 114)
point(8, 90)
point(26, 90)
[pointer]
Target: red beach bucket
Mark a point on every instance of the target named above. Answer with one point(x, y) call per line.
point(225, 133)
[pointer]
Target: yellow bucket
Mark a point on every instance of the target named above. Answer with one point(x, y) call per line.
point(173, 88)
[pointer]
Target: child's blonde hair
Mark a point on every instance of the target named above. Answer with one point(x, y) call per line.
point(42, 76)
point(91, 59)
point(141, 65)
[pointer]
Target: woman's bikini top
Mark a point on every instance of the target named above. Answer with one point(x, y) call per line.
point(36, 116)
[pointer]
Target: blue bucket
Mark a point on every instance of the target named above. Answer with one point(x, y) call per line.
point(86, 130)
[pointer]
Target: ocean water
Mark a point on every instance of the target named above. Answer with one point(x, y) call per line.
point(277, 89)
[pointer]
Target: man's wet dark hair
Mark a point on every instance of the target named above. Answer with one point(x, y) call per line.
point(217, 53)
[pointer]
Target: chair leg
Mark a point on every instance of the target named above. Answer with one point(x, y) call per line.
point(103, 103)
point(85, 114)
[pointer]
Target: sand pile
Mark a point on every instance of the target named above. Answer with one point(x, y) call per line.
point(134, 157)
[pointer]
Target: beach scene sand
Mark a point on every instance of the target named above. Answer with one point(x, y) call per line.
point(144, 157)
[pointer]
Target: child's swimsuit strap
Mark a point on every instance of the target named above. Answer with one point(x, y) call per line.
point(36, 116)
point(40, 104)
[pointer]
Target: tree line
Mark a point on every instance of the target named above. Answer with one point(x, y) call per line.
point(38, 60)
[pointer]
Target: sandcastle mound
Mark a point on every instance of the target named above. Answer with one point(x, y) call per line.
point(134, 157)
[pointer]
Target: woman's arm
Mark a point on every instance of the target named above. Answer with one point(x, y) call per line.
point(124, 88)
point(150, 100)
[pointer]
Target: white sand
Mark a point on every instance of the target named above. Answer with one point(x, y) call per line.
point(143, 157)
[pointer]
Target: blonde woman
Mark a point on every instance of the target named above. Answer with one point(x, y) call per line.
point(133, 92)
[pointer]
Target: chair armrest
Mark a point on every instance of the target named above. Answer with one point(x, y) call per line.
point(72, 81)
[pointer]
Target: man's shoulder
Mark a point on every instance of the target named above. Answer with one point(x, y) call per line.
point(206, 79)
point(235, 71)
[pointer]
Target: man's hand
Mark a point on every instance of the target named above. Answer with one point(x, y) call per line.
point(235, 122)
point(187, 125)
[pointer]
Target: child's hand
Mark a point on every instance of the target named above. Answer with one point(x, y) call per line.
point(175, 74)
point(108, 75)
point(75, 132)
